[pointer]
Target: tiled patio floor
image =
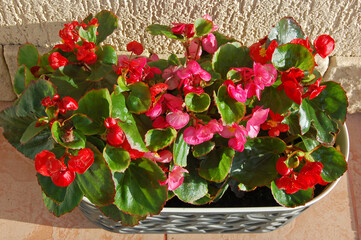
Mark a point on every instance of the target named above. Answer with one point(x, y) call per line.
point(23, 215)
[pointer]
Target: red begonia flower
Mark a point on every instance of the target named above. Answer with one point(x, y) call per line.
point(324, 45)
point(274, 125)
point(303, 42)
point(287, 183)
point(282, 168)
point(56, 60)
point(110, 122)
point(86, 53)
point(115, 136)
point(82, 161)
point(135, 47)
point(40, 162)
point(69, 103)
point(134, 154)
point(258, 52)
point(63, 178)
point(314, 89)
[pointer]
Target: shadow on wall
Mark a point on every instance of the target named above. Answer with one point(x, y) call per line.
point(40, 34)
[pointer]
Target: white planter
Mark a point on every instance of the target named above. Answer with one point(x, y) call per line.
point(214, 220)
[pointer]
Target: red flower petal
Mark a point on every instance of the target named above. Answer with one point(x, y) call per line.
point(135, 47)
point(40, 162)
point(324, 45)
point(282, 168)
point(82, 162)
point(110, 122)
point(293, 91)
point(63, 178)
point(56, 60)
point(116, 136)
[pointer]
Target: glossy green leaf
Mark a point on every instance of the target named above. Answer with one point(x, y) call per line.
point(80, 121)
point(75, 71)
point(72, 198)
point(231, 110)
point(14, 128)
point(52, 191)
point(122, 85)
point(292, 120)
point(293, 55)
point(22, 78)
point(291, 200)
point(157, 29)
point(157, 139)
point(202, 27)
point(334, 164)
point(108, 22)
point(231, 55)
point(113, 212)
point(275, 100)
point(89, 34)
point(96, 104)
point(174, 60)
point(106, 59)
point(285, 31)
point(73, 139)
point(197, 102)
point(30, 100)
point(203, 148)
point(216, 165)
point(161, 64)
point(28, 55)
point(118, 159)
point(180, 150)
point(97, 183)
point(31, 131)
point(138, 189)
point(139, 99)
point(193, 187)
point(256, 165)
point(222, 39)
point(127, 122)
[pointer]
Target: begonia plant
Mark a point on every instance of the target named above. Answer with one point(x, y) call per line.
point(130, 132)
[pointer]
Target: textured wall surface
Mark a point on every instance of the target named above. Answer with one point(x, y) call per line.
point(38, 21)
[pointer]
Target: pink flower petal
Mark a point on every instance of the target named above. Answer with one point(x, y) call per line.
point(253, 124)
point(177, 119)
point(210, 43)
point(160, 122)
point(189, 136)
point(175, 178)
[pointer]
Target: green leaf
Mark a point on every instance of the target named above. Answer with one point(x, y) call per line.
point(231, 110)
point(203, 148)
point(106, 59)
point(157, 139)
point(291, 200)
point(14, 128)
point(231, 55)
point(216, 165)
point(30, 100)
point(161, 64)
point(193, 187)
point(97, 183)
point(52, 191)
point(75, 71)
point(72, 139)
point(31, 131)
point(276, 100)
point(334, 164)
point(22, 78)
point(72, 198)
point(139, 99)
point(80, 121)
point(222, 39)
point(202, 27)
point(256, 165)
point(285, 31)
point(128, 124)
point(293, 55)
point(138, 189)
point(96, 104)
point(157, 29)
point(89, 34)
point(197, 102)
point(118, 159)
point(122, 86)
point(292, 120)
point(113, 212)
point(180, 150)
point(28, 55)
point(108, 22)
point(174, 60)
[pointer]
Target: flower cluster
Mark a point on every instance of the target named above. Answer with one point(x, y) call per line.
point(186, 127)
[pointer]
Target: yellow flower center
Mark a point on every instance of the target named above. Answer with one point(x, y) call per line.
point(272, 123)
point(262, 52)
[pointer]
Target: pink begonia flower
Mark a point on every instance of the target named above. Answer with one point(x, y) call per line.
point(191, 89)
point(237, 93)
point(199, 134)
point(177, 119)
point(175, 178)
point(209, 43)
point(193, 68)
point(156, 110)
point(173, 102)
point(253, 125)
point(160, 122)
point(194, 50)
point(258, 78)
point(171, 78)
point(153, 58)
point(237, 143)
point(164, 156)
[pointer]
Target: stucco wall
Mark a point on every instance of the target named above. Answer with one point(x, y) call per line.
point(38, 21)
